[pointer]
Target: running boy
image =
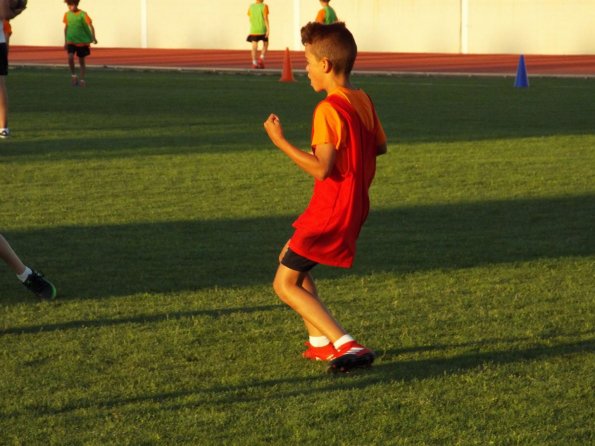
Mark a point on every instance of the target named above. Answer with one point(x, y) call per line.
point(259, 30)
point(33, 280)
point(346, 138)
point(6, 14)
point(327, 14)
point(78, 36)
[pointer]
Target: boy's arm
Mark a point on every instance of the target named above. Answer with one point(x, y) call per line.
point(93, 33)
point(89, 23)
point(319, 165)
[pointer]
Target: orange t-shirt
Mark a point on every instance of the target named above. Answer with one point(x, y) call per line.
point(327, 231)
point(7, 28)
point(320, 16)
point(329, 128)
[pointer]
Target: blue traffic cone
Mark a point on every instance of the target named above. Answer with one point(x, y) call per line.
point(521, 80)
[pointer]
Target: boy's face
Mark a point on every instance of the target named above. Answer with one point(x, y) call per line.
point(315, 68)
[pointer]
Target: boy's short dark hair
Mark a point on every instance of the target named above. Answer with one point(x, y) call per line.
point(72, 2)
point(334, 41)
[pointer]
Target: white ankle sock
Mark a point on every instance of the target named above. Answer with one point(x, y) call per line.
point(343, 340)
point(23, 276)
point(319, 341)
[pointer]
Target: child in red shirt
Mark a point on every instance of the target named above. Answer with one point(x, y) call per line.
point(346, 138)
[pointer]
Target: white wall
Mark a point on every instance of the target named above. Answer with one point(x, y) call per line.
point(494, 26)
point(532, 26)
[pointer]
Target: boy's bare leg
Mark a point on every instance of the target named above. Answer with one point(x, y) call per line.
point(3, 103)
point(71, 64)
point(265, 47)
point(309, 286)
point(292, 288)
point(34, 281)
point(10, 257)
point(254, 50)
point(83, 65)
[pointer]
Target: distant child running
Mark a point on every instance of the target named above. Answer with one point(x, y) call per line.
point(326, 15)
point(346, 139)
point(259, 30)
point(78, 36)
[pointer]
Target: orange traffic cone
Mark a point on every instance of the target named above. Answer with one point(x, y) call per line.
point(287, 74)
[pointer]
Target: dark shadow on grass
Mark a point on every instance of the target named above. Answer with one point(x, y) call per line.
point(140, 319)
point(183, 117)
point(476, 234)
point(131, 146)
point(433, 367)
point(382, 373)
point(429, 109)
point(101, 261)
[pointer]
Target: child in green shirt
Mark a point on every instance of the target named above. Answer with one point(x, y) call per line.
point(78, 36)
point(259, 30)
point(326, 15)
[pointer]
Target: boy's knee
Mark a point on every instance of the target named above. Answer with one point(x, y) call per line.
point(278, 286)
point(281, 289)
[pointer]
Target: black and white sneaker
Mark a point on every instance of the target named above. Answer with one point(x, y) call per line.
point(40, 286)
point(351, 356)
point(4, 133)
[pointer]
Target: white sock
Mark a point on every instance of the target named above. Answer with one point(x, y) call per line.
point(319, 341)
point(23, 276)
point(254, 61)
point(343, 340)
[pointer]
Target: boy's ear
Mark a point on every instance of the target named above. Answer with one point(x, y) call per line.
point(327, 65)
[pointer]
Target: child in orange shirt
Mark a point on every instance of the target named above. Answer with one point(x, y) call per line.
point(346, 139)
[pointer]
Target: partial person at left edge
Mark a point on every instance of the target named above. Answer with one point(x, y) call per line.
point(9, 9)
point(33, 280)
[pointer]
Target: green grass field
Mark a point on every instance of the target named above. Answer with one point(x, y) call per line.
point(157, 205)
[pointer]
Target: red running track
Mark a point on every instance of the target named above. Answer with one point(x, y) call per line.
point(495, 64)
